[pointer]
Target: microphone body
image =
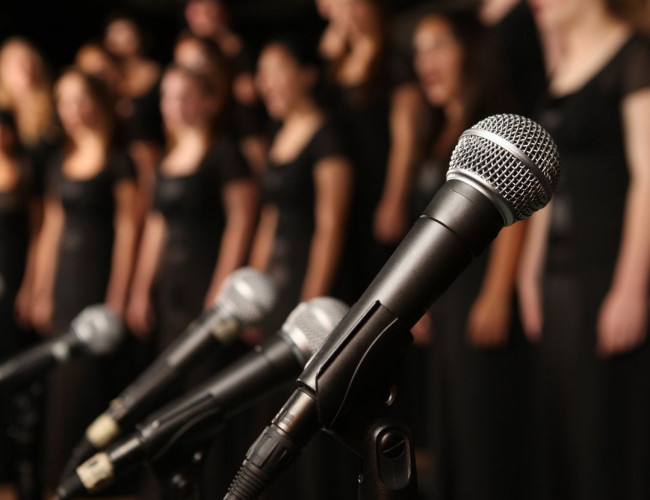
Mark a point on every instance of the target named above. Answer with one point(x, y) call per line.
point(245, 299)
point(95, 331)
point(201, 412)
point(502, 170)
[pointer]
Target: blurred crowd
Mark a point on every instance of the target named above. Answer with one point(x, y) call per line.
point(144, 186)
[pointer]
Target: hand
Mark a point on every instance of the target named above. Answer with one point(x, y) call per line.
point(140, 317)
point(622, 322)
point(488, 325)
point(22, 307)
point(391, 222)
point(531, 312)
point(422, 330)
point(42, 311)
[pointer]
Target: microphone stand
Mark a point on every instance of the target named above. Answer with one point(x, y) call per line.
point(180, 477)
point(376, 430)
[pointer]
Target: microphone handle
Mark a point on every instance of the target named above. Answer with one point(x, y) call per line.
point(38, 359)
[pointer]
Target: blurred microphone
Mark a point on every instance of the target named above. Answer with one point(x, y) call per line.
point(96, 331)
point(501, 171)
point(246, 298)
point(275, 362)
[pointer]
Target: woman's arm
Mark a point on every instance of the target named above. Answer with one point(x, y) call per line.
point(123, 246)
point(333, 181)
point(139, 315)
point(264, 236)
point(240, 200)
point(529, 275)
point(46, 262)
point(489, 319)
point(623, 317)
point(391, 217)
point(26, 292)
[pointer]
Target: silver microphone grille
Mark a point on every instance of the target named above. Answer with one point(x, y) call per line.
point(248, 295)
point(512, 159)
point(311, 322)
point(99, 329)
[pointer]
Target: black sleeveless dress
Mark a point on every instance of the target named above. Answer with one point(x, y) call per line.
point(595, 412)
point(14, 241)
point(81, 390)
point(194, 214)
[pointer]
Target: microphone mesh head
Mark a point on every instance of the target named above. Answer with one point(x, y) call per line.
point(513, 158)
point(248, 295)
point(99, 329)
point(311, 322)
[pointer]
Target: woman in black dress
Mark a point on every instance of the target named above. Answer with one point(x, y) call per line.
point(200, 227)
point(307, 192)
point(85, 253)
point(377, 101)
point(19, 216)
point(478, 357)
point(210, 20)
point(26, 90)
point(594, 259)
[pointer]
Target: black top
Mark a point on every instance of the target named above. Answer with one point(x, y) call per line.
point(86, 244)
point(588, 128)
point(142, 120)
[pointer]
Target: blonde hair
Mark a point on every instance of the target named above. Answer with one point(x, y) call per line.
point(37, 118)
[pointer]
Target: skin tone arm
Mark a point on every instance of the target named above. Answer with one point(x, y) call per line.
point(123, 246)
point(333, 179)
point(46, 261)
point(25, 293)
point(489, 318)
point(263, 241)
point(139, 314)
point(240, 200)
point(623, 316)
point(391, 219)
point(529, 274)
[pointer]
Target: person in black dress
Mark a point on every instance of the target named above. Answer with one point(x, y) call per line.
point(85, 254)
point(25, 89)
point(478, 359)
point(19, 215)
point(137, 91)
point(591, 251)
point(307, 192)
point(377, 101)
point(201, 224)
point(209, 19)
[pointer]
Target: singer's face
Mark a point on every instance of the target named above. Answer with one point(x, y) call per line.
point(281, 81)
point(76, 108)
point(182, 102)
point(189, 54)
point(438, 60)
point(555, 14)
point(205, 17)
point(122, 38)
point(17, 69)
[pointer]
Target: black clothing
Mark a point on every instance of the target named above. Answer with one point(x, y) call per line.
point(141, 118)
point(363, 115)
point(193, 209)
point(81, 390)
point(595, 412)
point(290, 188)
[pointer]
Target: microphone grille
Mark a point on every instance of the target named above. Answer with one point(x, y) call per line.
point(99, 330)
point(312, 321)
point(511, 157)
point(248, 295)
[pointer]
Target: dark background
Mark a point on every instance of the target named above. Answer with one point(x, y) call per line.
point(59, 27)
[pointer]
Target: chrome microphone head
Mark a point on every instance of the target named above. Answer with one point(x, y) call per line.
point(99, 330)
point(512, 160)
point(311, 322)
point(248, 295)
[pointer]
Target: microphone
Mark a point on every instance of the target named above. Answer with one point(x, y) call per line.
point(95, 331)
point(502, 170)
point(246, 298)
point(278, 360)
